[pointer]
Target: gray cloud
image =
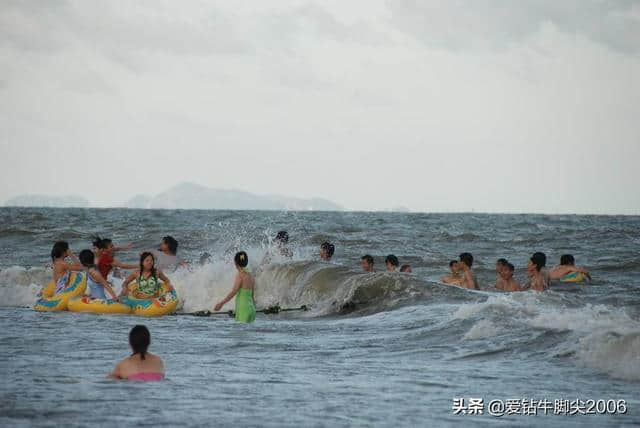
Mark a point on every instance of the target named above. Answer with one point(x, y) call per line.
point(498, 24)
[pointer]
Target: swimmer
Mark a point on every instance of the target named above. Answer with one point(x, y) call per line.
point(326, 251)
point(243, 289)
point(406, 269)
point(567, 265)
point(500, 265)
point(366, 262)
point(282, 239)
point(167, 255)
point(391, 263)
point(61, 268)
point(537, 278)
point(147, 277)
point(95, 281)
point(469, 279)
point(509, 283)
point(140, 365)
point(456, 277)
point(104, 249)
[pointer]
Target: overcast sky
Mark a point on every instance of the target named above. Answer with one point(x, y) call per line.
point(499, 106)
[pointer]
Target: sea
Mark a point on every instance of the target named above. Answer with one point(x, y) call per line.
point(372, 349)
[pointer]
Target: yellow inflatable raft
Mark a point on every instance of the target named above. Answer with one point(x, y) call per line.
point(58, 302)
point(573, 277)
point(164, 304)
point(98, 306)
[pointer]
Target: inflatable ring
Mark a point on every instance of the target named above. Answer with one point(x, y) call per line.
point(573, 277)
point(50, 302)
point(164, 304)
point(97, 306)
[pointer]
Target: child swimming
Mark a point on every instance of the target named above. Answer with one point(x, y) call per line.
point(147, 277)
point(243, 289)
point(140, 365)
point(326, 251)
point(95, 281)
point(61, 268)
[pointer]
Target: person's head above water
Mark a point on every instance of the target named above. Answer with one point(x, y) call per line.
point(406, 268)
point(538, 261)
point(147, 263)
point(326, 250)
point(169, 245)
point(391, 262)
point(366, 262)
point(454, 266)
point(59, 250)
point(501, 262)
point(241, 259)
point(282, 237)
point(139, 340)
point(506, 270)
point(567, 260)
point(466, 259)
point(87, 258)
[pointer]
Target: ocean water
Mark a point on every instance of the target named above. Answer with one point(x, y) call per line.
point(372, 350)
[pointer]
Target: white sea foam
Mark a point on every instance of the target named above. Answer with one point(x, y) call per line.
point(482, 330)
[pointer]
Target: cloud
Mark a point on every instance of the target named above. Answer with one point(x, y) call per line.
point(500, 24)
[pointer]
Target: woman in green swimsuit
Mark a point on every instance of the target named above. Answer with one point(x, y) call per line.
point(148, 277)
point(243, 289)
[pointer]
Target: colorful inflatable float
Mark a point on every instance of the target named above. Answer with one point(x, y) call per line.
point(98, 306)
point(50, 302)
point(165, 303)
point(573, 277)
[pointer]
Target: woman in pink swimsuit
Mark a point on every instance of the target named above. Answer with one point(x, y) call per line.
point(141, 365)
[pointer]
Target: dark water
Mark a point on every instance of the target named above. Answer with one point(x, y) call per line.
point(405, 348)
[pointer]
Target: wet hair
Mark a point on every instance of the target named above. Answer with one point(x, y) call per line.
point(567, 260)
point(452, 262)
point(539, 259)
point(171, 243)
point(393, 260)
point(139, 339)
point(101, 243)
point(329, 248)
point(368, 259)
point(282, 237)
point(87, 258)
point(509, 266)
point(153, 268)
point(58, 250)
point(405, 268)
point(467, 259)
point(241, 259)
point(502, 262)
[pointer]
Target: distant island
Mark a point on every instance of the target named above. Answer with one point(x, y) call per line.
point(47, 201)
point(194, 196)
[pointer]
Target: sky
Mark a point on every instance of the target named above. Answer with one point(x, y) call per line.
point(437, 106)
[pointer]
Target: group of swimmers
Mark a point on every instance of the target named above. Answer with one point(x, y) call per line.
point(100, 261)
point(539, 278)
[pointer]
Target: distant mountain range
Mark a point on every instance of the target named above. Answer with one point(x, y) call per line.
point(47, 201)
point(193, 196)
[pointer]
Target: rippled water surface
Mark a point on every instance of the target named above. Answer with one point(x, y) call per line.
point(398, 354)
